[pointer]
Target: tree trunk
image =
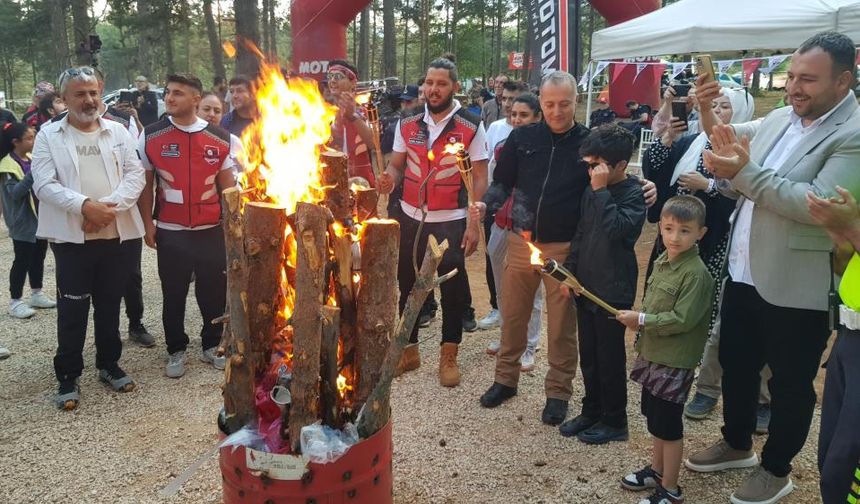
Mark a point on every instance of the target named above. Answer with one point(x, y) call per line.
point(311, 286)
point(82, 25)
point(405, 42)
point(264, 248)
point(371, 69)
point(454, 18)
point(500, 14)
point(239, 400)
point(365, 204)
point(376, 411)
point(425, 35)
point(147, 39)
point(273, 30)
point(363, 62)
point(376, 301)
point(167, 40)
point(389, 40)
point(214, 42)
point(335, 179)
point(328, 366)
point(341, 245)
point(60, 35)
point(247, 31)
point(264, 23)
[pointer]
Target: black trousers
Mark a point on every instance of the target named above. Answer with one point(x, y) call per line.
point(29, 262)
point(455, 292)
point(790, 341)
point(491, 280)
point(603, 361)
point(181, 253)
point(93, 272)
point(839, 438)
point(133, 295)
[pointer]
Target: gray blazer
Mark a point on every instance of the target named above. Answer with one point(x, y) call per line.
point(789, 255)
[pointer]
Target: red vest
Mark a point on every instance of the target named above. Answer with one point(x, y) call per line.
point(444, 189)
point(186, 165)
point(359, 155)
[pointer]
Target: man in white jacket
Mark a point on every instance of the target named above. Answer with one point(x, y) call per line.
point(87, 177)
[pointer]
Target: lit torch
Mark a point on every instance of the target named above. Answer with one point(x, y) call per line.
point(372, 113)
point(464, 164)
point(555, 270)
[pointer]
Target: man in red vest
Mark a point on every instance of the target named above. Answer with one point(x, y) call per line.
point(350, 133)
point(433, 193)
point(188, 162)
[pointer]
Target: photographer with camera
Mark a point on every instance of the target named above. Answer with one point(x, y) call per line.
point(144, 101)
point(677, 94)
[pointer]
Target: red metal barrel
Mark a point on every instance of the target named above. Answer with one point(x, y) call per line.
point(363, 475)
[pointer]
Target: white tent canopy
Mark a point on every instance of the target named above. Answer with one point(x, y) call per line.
point(695, 26)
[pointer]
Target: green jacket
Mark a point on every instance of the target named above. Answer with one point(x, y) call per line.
point(677, 306)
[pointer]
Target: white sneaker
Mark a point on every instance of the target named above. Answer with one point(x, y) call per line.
point(527, 360)
point(19, 309)
point(41, 300)
point(175, 364)
point(493, 347)
point(211, 356)
point(4, 353)
point(491, 321)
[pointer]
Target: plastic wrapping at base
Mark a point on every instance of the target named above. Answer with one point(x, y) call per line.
point(321, 444)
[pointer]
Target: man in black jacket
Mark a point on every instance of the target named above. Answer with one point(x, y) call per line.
point(541, 165)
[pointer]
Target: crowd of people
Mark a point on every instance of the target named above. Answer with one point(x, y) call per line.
point(757, 221)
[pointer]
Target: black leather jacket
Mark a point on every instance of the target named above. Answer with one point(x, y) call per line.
point(547, 178)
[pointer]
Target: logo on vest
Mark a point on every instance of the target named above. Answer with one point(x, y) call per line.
point(455, 138)
point(418, 138)
point(170, 150)
point(211, 154)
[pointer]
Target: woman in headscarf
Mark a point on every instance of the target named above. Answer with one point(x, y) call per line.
point(675, 165)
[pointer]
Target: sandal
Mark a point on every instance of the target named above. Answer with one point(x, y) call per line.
point(116, 379)
point(68, 395)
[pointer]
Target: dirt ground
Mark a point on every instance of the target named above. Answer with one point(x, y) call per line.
point(130, 448)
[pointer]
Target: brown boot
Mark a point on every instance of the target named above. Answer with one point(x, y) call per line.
point(409, 361)
point(449, 373)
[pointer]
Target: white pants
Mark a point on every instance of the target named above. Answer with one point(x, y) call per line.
point(497, 248)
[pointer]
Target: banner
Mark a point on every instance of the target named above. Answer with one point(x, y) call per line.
point(639, 68)
point(549, 43)
point(750, 68)
point(586, 77)
point(772, 63)
point(516, 60)
point(677, 68)
point(723, 66)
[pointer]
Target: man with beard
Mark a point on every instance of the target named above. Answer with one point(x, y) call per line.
point(192, 162)
point(493, 110)
point(87, 177)
point(433, 194)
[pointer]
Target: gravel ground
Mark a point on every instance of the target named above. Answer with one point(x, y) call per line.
point(128, 448)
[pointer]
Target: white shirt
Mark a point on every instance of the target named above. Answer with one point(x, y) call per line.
point(230, 163)
point(93, 174)
point(739, 252)
point(497, 133)
point(57, 183)
point(477, 152)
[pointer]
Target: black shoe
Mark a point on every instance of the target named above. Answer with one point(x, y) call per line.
point(602, 434)
point(469, 322)
point(139, 334)
point(424, 319)
point(576, 425)
point(497, 394)
point(554, 412)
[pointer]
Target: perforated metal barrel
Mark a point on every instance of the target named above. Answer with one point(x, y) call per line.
point(363, 475)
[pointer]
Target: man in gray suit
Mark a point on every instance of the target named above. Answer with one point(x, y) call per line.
point(775, 301)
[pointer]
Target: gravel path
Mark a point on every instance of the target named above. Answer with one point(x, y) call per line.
point(128, 448)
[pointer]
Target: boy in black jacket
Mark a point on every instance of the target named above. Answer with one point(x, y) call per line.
point(602, 258)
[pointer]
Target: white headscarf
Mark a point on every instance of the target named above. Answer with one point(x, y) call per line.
point(743, 107)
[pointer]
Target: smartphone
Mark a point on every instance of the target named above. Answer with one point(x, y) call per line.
point(705, 66)
point(681, 90)
point(125, 97)
point(679, 110)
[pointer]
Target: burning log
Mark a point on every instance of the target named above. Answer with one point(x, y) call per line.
point(376, 301)
point(239, 405)
point(341, 244)
point(329, 366)
point(366, 201)
point(335, 179)
point(265, 225)
point(311, 285)
point(376, 411)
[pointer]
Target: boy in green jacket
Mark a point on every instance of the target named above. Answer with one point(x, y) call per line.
point(673, 328)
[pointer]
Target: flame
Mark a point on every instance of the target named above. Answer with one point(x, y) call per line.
point(362, 98)
point(281, 148)
point(454, 148)
point(356, 277)
point(535, 259)
point(431, 156)
point(229, 49)
point(343, 386)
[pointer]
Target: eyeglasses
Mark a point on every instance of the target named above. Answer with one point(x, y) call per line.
point(335, 76)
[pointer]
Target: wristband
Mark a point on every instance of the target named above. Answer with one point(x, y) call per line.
point(641, 319)
point(711, 184)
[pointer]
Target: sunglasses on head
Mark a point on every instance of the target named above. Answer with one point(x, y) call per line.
point(71, 73)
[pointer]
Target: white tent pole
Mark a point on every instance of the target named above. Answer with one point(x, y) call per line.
point(588, 96)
